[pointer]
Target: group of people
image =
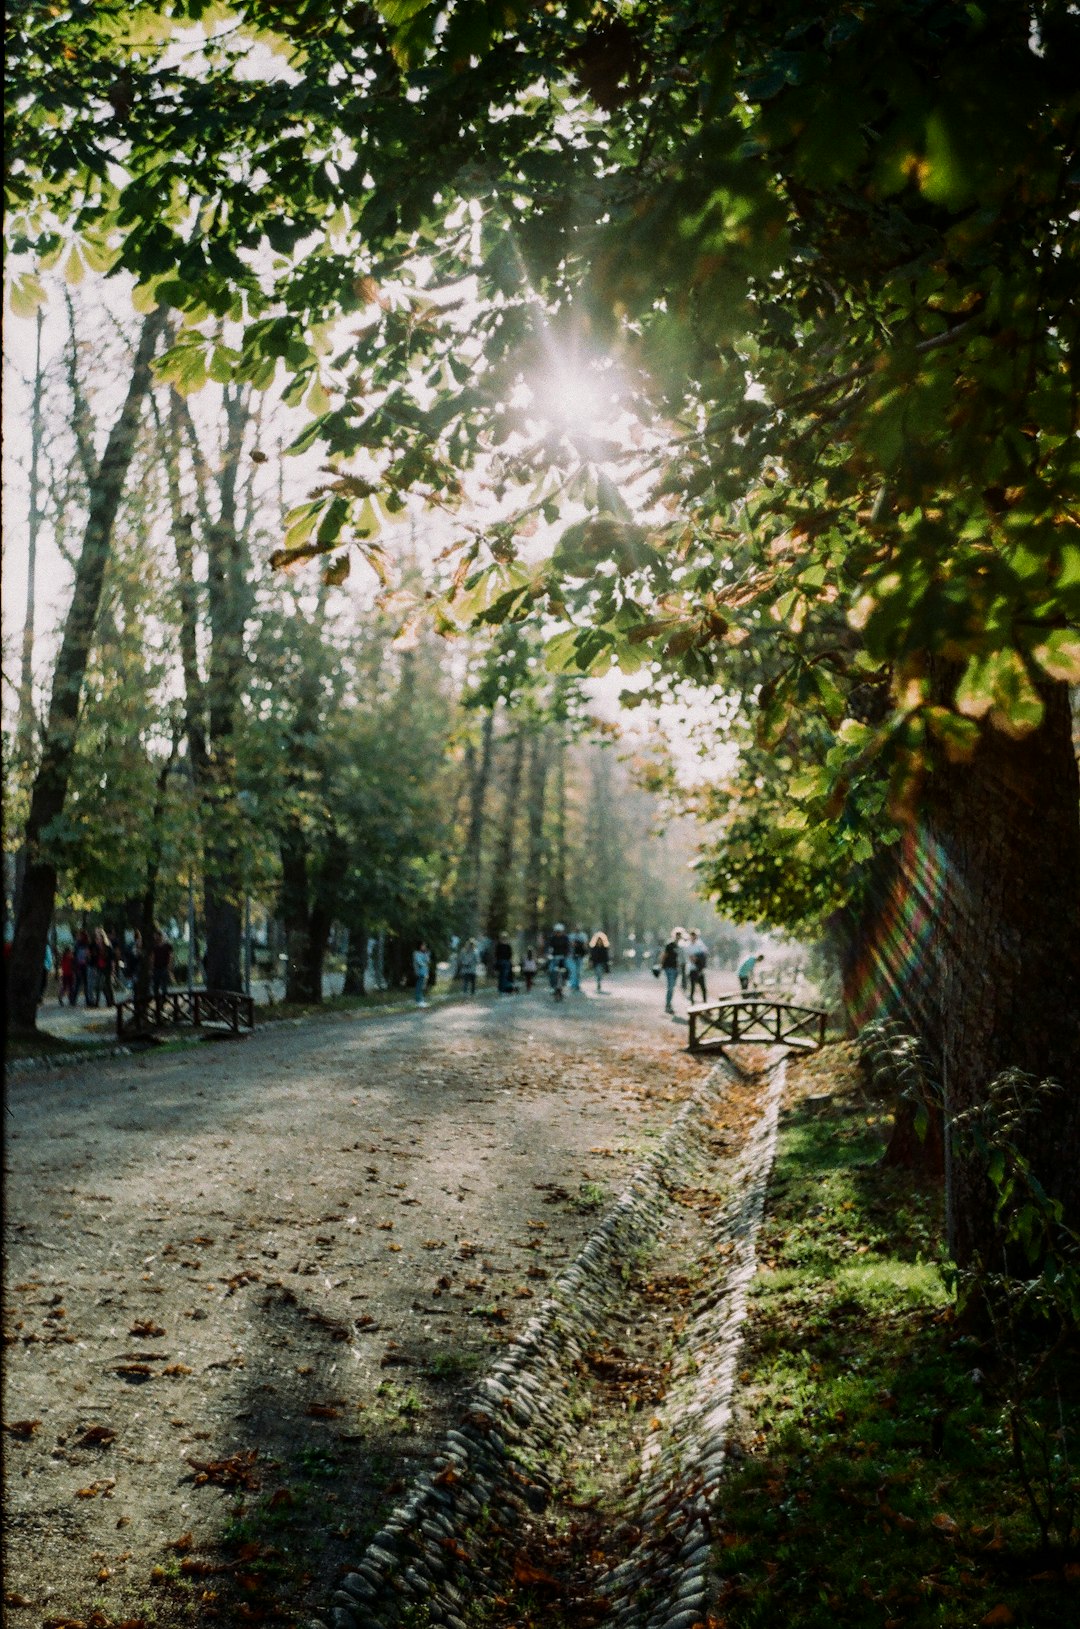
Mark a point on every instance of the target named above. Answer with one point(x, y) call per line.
point(93, 966)
point(683, 961)
point(565, 955)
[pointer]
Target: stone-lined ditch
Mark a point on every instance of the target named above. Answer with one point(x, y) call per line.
point(601, 1378)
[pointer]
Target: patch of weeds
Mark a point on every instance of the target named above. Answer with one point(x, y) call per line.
point(316, 1462)
point(589, 1197)
point(401, 1406)
point(878, 1484)
point(453, 1364)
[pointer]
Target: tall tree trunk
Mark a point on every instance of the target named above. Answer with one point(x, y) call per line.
point(295, 917)
point(502, 881)
point(1009, 833)
point(188, 595)
point(324, 907)
point(148, 912)
point(534, 863)
point(470, 868)
point(356, 958)
point(558, 897)
point(228, 596)
point(24, 728)
point(50, 788)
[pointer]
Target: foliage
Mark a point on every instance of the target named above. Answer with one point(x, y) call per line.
point(874, 1479)
point(822, 256)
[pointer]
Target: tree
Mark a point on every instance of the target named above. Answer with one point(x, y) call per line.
point(831, 255)
point(51, 782)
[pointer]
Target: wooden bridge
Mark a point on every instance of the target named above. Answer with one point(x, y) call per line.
point(226, 1008)
point(756, 1021)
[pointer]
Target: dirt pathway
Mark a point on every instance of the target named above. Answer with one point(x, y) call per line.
point(247, 1283)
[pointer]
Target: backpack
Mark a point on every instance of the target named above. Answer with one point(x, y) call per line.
point(700, 958)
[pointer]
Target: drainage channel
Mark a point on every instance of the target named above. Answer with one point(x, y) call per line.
point(580, 1476)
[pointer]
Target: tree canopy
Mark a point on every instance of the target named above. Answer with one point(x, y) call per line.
point(769, 308)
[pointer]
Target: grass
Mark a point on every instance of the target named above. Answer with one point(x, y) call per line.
point(875, 1484)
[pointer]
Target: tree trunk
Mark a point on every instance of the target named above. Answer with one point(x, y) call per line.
point(1009, 835)
point(534, 864)
point(25, 724)
point(148, 918)
point(470, 866)
point(558, 898)
point(295, 915)
point(502, 880)
point(228, 597)
point(50, 788)
point(328, 880)
point(356, 956)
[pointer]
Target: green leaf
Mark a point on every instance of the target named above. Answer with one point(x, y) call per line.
point(26, 295)
point(1060, 655)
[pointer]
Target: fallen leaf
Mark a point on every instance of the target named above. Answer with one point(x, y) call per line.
point(238, 1471)
point(526, 1573)
point(181, 1545)
point(999, 1615)
point(178, 1369)
point(24, 1429)
point(945, 1524)
point(146, 1329)
point(96, 1436)
point(323, 1411)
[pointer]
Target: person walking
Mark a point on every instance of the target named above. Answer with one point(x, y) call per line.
point(697, 957)
point(747, 970)
point(600, 957)
point(529, 968)
point(82, 968)
point(579, 944)
point(468, 962)
point(421, 960)
point(67, 975)
point(558, 956)
point(669, 966)
point(46, 969)
point(504, 964)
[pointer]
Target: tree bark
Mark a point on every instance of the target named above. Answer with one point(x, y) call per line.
point(228, 598)
point(558, 898)
point(356, 961)
point(470, 887)
point(1009, 834)
point(534, 863)
point(147, 917)
point(49, 794)
point(295, 915)
point(499, 903)
point(25, 723)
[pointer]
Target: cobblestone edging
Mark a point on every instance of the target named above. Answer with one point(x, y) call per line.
point(66, 1060)
point(683, 1460)
point(449, 1540)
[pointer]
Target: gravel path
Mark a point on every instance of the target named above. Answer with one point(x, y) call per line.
point(247, 1283)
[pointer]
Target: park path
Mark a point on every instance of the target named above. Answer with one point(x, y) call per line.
point(259, 1274)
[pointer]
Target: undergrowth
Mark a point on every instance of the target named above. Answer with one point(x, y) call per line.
point(873, 1481)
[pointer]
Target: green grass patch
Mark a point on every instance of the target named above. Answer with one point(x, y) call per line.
point(876, 1484)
